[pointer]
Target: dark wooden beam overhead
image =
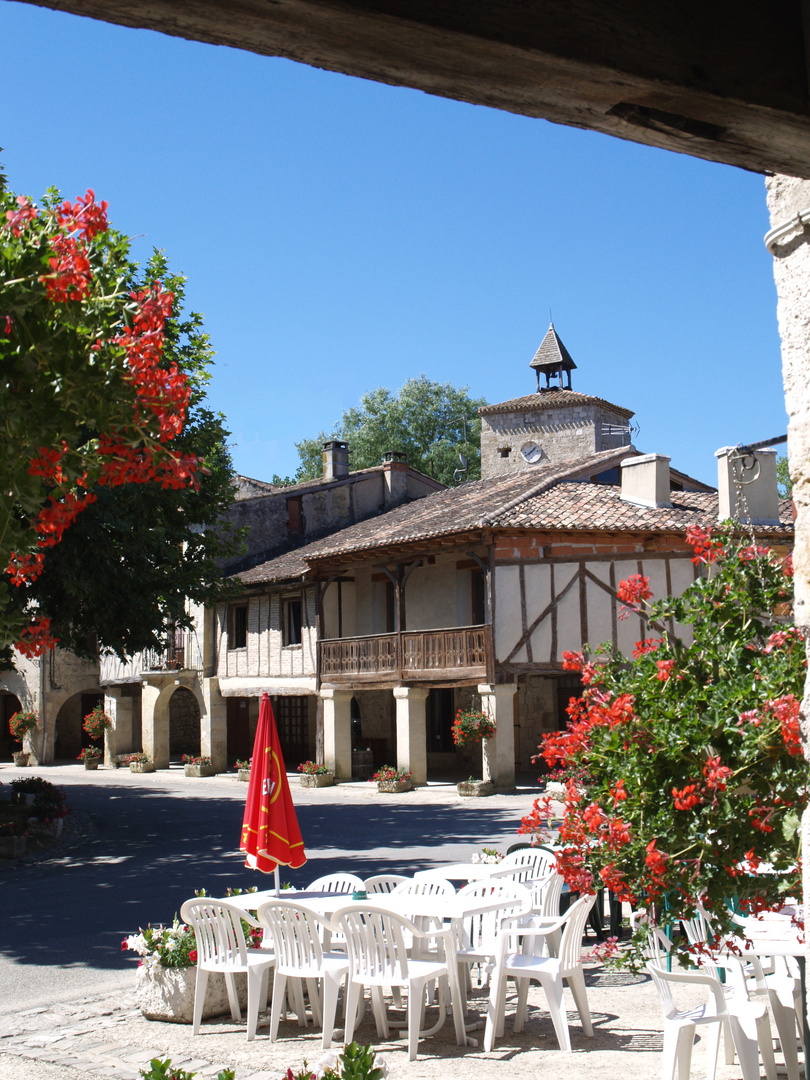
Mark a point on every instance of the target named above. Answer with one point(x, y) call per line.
point(725, 80)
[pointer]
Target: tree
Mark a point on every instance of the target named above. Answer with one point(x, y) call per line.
point(783, 476)
point(94, 401)
point(426, 420)
point(683, 767)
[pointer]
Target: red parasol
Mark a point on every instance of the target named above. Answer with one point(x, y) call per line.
point(270, 832)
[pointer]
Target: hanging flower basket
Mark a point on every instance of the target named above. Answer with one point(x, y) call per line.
point(471, 726)
point(21, 723)
point(96, 723)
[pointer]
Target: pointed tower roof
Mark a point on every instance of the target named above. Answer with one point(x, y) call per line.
point(552, 358)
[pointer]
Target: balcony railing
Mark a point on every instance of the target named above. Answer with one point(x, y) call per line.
point(414, 656)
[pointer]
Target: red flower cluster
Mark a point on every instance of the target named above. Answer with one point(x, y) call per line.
point(18, 219)
point(634, 589)
point(687, 797)
point(58, 514)
point(716, 774)
point(85, 216)
point(36, 639)
point(71, 276)
point(647, 646)
point(664, 669)
point(24, 568)
point(47, 464)
point(786, 711)
point(706, 550)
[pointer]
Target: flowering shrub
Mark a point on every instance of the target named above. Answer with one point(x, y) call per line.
point(486, 855)
point(311, 768)
point(164, 946)
point(683, 767)
point(84, 340)
point(49, 800)
point(354, 1063)
point(471, 726)
point(187, 759)
point(96, 723)
point(21, 723)
point(389, 772)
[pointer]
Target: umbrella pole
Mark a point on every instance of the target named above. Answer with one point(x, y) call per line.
point(275, 874)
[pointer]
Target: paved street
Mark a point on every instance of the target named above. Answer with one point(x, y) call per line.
point(137, 846)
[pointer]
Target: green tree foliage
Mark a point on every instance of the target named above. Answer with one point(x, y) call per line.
point(783, 476)
point(104, 411)
point(683, 767)
point(425, 420)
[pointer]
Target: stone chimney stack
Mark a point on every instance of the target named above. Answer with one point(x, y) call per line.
point(645, 480)
point(335, 459)
point(746, 486)
point(395, 471)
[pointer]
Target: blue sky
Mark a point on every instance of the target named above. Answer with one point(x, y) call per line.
point(340, 235)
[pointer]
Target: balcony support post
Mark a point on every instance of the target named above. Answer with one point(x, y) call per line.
point(214, 724)
point(412, 731)
point(499, 752)
point(118, 739)
point(337, 732)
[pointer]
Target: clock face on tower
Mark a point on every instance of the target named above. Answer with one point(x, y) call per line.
point(531, 452)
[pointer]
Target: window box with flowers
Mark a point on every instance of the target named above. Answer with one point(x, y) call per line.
point(243, 770)
point(392, 781)
point(91, 756)
point(20, 725)
point(140, 763)
point(197, 766)
point(314, 775)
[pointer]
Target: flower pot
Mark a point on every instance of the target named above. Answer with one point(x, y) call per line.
point(91, 762)
point(475, 789)
point(11, 847)
point(317, 779)
point(141, 766)
point(20, 759)
point(243, 774)
point(168, 994)
point(393, 787)
point(199, 770)
point(48, 830)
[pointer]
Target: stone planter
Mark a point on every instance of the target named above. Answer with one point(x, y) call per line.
point(475, 789)
point(393, 787)
point(168, 994)
point(20, 758)
point(91, 762)
point(11, 847)
point(47, 830)
point(243, 774)
point(317, 779)
point(141, 766)
point(198, 770)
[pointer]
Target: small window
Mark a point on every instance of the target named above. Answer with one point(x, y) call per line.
point(237, 629)
point(291, 622)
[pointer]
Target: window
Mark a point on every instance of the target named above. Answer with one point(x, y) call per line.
point(479, 597)
point(291, 612)
point(237, 626)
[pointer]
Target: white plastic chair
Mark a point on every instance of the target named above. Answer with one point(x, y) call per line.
point(336, 883)
point(221, 948)
point(524, 964)
point(477, 935)
point(300, 955)
point(530, 863)
point(378, 958)
point(747, 1021)
point(384, 883)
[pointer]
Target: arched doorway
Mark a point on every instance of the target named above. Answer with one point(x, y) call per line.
point(184, 724)
point(70, 736)
point(9, 705)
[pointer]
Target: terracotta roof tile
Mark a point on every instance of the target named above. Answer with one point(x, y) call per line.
point(551, 399)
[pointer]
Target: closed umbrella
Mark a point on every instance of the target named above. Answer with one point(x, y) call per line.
point(270, 832)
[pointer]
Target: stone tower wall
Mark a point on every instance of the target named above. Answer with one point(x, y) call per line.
point(562, 434)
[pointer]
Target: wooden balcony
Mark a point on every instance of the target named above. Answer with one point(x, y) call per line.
point(460, 654)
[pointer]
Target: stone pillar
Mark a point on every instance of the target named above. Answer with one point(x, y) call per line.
point(119, 737)
point(155, 725)
point(337, 732)
point(499, 753)
point(412, 731)
point(789, 243)
point(214, 725)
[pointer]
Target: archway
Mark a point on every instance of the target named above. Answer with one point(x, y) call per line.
point(184, 724)
point(69, 735)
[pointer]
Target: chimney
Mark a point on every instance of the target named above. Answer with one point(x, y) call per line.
point(395, 473)
point(746, 486)
point(335, 459)
point(645, 480)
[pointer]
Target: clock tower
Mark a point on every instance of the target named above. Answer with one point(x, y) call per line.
point(553, 425)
